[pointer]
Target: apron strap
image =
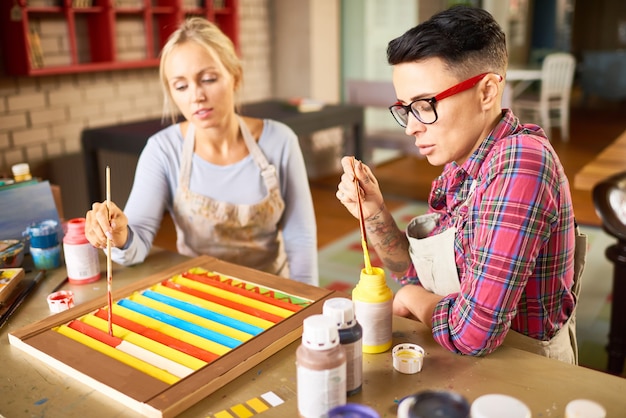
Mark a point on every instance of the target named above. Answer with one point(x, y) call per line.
point(268, 171)
point(187, 156)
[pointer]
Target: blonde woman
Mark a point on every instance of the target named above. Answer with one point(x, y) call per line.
point(236, 187)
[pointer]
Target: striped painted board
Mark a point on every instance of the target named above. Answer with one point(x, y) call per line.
point(178, 335)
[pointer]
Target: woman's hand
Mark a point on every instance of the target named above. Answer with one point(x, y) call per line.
point(100, 225)
point(371, 196)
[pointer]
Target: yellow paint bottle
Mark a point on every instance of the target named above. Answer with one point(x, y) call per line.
point(373, 310)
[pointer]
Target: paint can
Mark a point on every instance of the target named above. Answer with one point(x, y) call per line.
point(81, 258)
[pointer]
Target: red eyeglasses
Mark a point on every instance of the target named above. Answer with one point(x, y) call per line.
point(424, 109)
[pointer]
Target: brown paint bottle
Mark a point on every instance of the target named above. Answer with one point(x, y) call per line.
point(321, 368)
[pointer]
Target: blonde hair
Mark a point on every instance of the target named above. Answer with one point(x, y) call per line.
point(208, 35)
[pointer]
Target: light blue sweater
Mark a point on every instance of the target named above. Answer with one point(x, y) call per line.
point(156, 181)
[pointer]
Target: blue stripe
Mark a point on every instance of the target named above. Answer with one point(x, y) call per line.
point(204, 313)
point(179, 323)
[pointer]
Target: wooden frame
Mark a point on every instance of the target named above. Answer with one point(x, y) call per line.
point(147, 395)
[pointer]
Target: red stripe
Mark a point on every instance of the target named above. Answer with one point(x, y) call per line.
point(224, 302)
point(94, 333)
point(214, 280)
point(158, 336)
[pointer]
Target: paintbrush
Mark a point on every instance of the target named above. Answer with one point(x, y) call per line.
point(366, 254)
point(109, 267)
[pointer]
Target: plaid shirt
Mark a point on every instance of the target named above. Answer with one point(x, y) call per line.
point(515, 244)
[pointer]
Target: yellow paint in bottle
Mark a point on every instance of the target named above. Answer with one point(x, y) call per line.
point(373, 310)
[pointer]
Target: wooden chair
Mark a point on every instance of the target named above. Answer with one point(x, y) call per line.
point(609, 198)
point(553, 101)
point(379, 95)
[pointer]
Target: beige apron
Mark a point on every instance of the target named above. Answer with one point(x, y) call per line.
point(434, 261)
point(242, 234)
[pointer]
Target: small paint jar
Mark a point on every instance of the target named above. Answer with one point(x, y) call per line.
point(43, 234)
point(435, 403)
point(46, 258)
point(60, 301)
point(353, 410)
point(21, 172)
point(584, 408)
point(496, 405)
point(44, 244)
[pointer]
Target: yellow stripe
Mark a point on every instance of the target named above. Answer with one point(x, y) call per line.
point(189, 317)
point(215, 307)
point(241, 411)
point(120, 356)
point(258, 405)
point(145, 342)
point(170, 330)
point(276, 310)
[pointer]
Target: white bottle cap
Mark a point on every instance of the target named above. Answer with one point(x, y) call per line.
point(497, 406)
point(20, 169)
point(341, 311)
point(319, 333)
point(408, 358)
point(584, 408)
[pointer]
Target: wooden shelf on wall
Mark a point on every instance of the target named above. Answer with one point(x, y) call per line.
point(48, 37)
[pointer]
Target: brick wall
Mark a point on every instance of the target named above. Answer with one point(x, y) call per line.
point(41, 118)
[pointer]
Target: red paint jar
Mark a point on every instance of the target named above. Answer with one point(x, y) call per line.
point(81, 258)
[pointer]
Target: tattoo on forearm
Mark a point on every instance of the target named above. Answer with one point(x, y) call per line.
point(389, 242)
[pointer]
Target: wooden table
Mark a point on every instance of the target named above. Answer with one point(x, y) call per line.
point(130, 138)
point(31, 388)
point(609, 161)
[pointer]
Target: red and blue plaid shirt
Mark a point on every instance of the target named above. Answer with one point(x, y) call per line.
point(515, 243)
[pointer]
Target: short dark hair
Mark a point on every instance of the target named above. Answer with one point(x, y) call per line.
point(467, 39)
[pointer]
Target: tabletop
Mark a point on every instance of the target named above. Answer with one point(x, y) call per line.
point(31, 388)
point(609, 161)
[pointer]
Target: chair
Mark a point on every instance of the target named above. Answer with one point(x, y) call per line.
point(379, 95)
point(609, 198)
point(557, 77)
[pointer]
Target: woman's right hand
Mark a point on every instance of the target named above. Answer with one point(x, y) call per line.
point(370, 194)
point(101, 225)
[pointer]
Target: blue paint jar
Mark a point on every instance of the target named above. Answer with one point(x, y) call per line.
point(44, 244)
point(43, 234)
point(46, 258)
point(353, 410)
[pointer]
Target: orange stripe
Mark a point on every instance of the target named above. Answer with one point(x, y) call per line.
point(155, 335)
point(224, 302)
point(216, 282)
